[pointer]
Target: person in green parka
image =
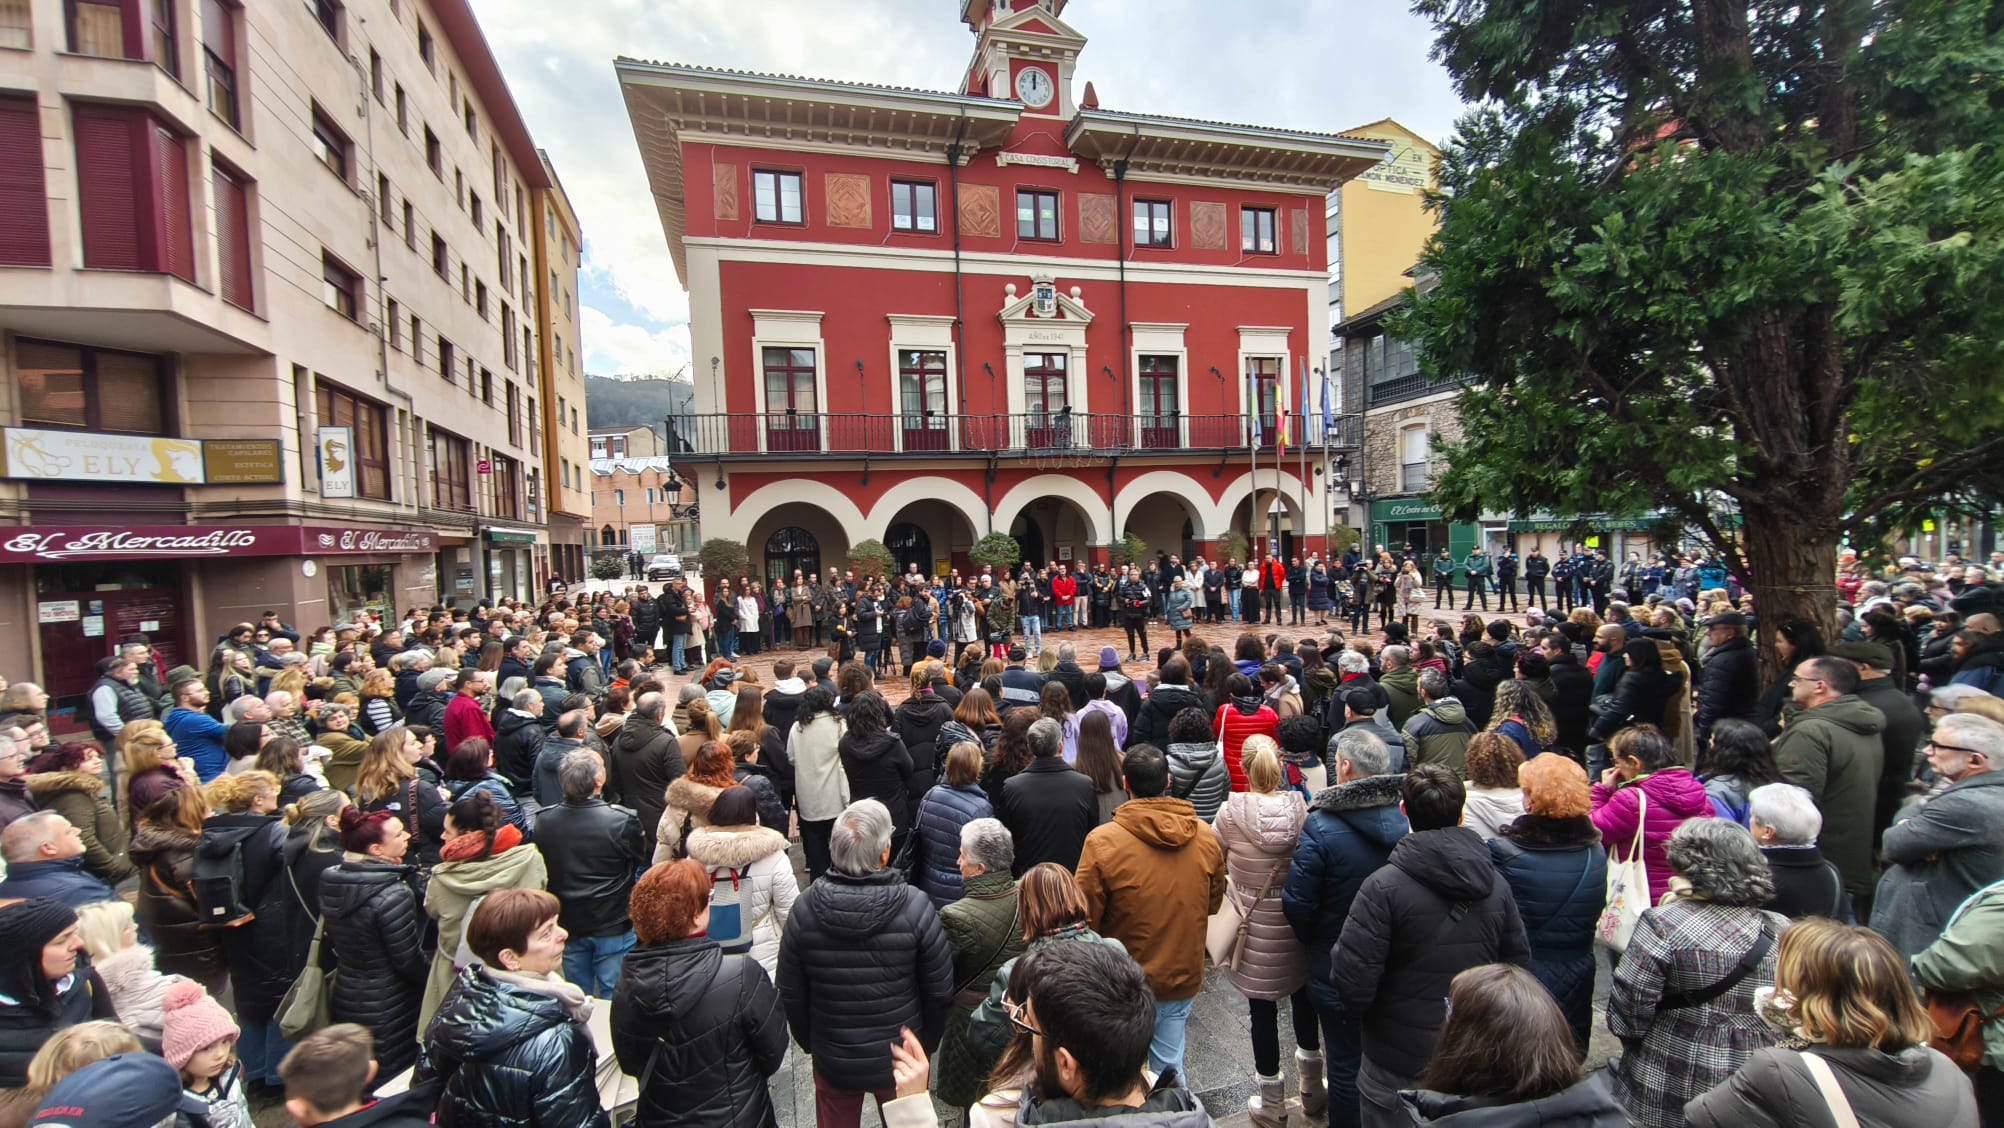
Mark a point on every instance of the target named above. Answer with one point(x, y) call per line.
point(1968, 959)
point(985, 930)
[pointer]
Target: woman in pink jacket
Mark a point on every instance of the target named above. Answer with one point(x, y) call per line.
point(1647, 778)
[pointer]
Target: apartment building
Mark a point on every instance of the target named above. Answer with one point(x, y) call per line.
point(268, 322)
point(559, 245)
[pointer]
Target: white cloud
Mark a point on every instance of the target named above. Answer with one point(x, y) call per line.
point(616, 348)
point(1326, 65)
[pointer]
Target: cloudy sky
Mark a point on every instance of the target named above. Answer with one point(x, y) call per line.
point(1324, 65)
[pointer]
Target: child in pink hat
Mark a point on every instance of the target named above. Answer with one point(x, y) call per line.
point(199, 1038)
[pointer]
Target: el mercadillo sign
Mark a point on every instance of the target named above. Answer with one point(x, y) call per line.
point(29, 545)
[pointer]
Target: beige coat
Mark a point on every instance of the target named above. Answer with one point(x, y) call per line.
point(687, 800)
point(1259, 833)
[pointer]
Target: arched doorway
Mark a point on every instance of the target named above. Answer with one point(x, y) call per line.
point(789, 550)
point(909, 545)
point(1166, 521)
point(1029, 536)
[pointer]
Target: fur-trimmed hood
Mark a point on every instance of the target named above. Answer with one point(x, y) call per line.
point(734, 846)
point(52, 783)
point(1360, 794)
point(1532, 831)
point(686, 794)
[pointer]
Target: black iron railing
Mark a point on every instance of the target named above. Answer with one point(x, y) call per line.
point(929, 434)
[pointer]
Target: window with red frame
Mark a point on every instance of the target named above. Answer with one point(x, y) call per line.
point(132, 192)
point(370, 420)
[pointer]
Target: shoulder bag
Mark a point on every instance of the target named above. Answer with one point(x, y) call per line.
point(1958, 1021)
point(1627, 887)
point(308, 1003)
point(1225, 934)
point(1833, 1093)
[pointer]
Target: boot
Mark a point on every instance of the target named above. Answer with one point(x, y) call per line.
point(1314, 1099)
point(1269, 1108)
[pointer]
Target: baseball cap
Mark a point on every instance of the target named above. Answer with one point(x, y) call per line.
point(123, 1091)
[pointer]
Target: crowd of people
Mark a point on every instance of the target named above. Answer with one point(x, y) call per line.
point(499, 864)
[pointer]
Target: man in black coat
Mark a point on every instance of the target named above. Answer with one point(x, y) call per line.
point(646, 621)
point(518, 660)
point(1048, 807)
point(674, 608)
point(782, 701)
point(1172, 696)
point(518, 740)
point(862, 958)
point(644, 759)
point(1436, 909)
point(1729, 683)
point(1570, 708)
point(1071, 676)
point(591, 849)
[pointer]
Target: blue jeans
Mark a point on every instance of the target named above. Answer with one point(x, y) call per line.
point(1342, 1055)
point(593, 962)
point(1033, 632)
point(260, 1048)
point(1061, 616)
point(1235, 601)
point(1165, 1052)
point(677, 645)
point(727, 641)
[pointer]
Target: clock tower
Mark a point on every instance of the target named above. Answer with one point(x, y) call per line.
point(1023, 53)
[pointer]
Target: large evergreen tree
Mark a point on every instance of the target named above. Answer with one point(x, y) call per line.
point(1742, 260)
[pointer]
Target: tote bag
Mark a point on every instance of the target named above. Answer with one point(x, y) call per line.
point(1627, 887)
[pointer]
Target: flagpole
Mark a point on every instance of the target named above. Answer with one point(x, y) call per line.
point(1301, 456)
point(1252, 449)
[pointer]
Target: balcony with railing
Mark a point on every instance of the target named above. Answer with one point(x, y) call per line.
point(936, 435)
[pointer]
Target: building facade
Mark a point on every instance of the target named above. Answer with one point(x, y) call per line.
point(623, 442)
point(267, 322)
point(640, 504)
point(559, 242)
point(921, 317)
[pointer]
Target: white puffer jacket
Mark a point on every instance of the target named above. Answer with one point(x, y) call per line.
point(766, 881)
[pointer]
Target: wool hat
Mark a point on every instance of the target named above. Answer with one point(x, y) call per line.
point(936, 648)
point(25, 928)
point(1109, 658)
point(1727, 619)
point(136, 1090)
point(431, 679)
point(191, 1022)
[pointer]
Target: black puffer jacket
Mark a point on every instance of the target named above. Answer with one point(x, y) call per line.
point(378, 934)
point(917, 722)
point(646, 622)
point(643, 760)
point(508, 1056)
point(1639, 698)
point(1401, 947)
point(427, 710)
point(518, 740)
point(862, 957)
point(1728, 686)
point(879, 767)
point(257, 951)
point(1151, 721)
point(1571, 710)
point(715, 1023)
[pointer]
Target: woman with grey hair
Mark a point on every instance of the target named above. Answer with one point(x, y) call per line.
point(1785, 822)
point(984, 929)
point(1683, 998)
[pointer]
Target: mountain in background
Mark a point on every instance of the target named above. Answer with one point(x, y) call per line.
point(627, 401)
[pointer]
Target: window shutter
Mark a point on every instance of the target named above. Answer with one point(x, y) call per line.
point(128, 393)
point(24, 201)
point(171, 164)
point(233, 256)
point(107, 190)
point(216, 31)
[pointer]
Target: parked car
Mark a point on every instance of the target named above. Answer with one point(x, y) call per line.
point(664, 566)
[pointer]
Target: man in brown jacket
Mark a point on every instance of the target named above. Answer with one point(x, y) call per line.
point(1152, 878)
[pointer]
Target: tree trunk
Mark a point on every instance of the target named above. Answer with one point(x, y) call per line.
point(1791, 555)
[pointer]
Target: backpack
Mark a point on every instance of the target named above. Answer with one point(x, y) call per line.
point(218, 878)
point(728, 926)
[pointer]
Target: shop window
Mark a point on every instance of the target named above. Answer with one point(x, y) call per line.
point(777, 198)
point(451, 471)
point(915, 206)
point(69, 386)
point(338, 407)
point(1037, 215)
point(355, 589)
point(24, 198)
point(219, 60)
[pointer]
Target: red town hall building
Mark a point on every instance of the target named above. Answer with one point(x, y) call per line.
point(921, 316)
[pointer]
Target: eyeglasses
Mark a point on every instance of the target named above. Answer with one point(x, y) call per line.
point(1015, 1011)
point(1934, 747)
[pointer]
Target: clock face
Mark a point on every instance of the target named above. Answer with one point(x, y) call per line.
point(1034, 87)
